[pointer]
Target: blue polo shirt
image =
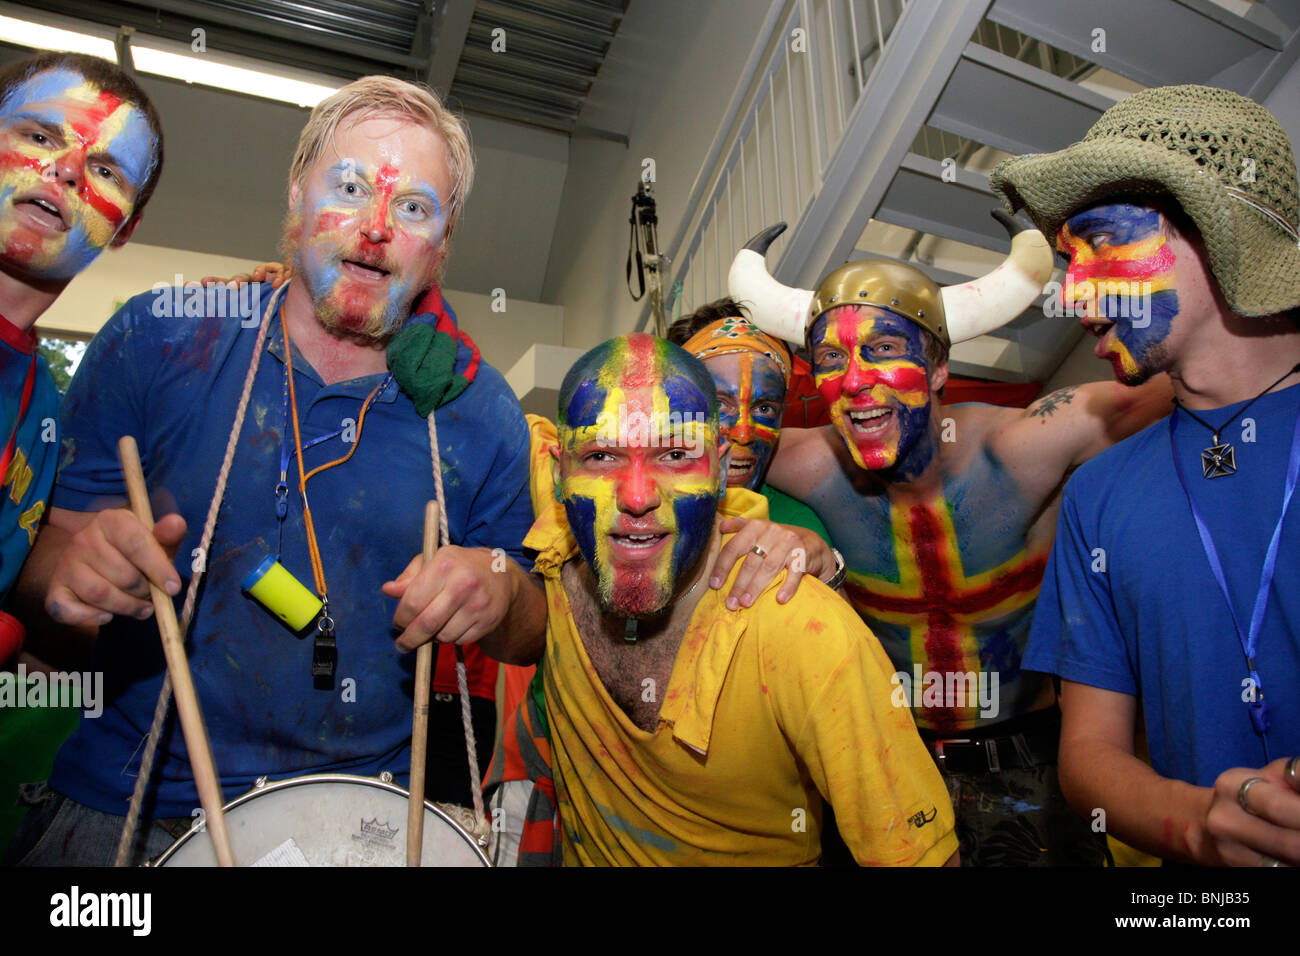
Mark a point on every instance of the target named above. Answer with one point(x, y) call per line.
point(26, 482)
point(1129, 603)
point(174, 383)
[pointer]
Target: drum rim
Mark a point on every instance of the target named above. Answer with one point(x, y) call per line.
point(348, 778)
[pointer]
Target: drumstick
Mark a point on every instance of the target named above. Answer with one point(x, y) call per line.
point(187, 701)
point(420, 718)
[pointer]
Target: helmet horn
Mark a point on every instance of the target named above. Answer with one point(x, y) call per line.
point(775, 308)
point(991, 301)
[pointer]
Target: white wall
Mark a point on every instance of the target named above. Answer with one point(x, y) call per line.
point(118, 274)
point(666, 82)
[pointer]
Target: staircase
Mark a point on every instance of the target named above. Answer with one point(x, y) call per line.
point(870, 126)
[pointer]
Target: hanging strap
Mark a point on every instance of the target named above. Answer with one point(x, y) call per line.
point(482, 827)
point(1249, 639)
point(634, 246)
point(192, 592)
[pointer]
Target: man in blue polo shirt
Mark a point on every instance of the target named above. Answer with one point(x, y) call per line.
point(1171, 585)
point(378, 182)
point(80, 154)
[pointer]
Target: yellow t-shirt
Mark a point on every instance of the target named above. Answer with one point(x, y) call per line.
point(768, 709)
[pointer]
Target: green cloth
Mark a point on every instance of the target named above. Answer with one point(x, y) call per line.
point(29, 739)
point(783, 509)
point(423, 361)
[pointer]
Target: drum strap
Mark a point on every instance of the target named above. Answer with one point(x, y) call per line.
point(192, 592)
point(444, 535)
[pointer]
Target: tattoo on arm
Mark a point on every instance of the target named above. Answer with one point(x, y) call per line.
point(1046, 406)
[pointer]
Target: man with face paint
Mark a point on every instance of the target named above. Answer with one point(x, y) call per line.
point(342, 366)
point(945, 516)
point(752, 371)
point(1170, 591)
point(683, 733)
point(80, 153)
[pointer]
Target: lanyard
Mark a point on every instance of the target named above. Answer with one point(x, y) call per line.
point(324, 652)
point(29, 386)
point(289, 452)
point(1249, 640)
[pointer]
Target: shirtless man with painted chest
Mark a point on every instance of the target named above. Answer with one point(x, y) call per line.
point(945, 517)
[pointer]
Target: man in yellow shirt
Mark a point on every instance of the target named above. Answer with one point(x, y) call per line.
point(684, 733)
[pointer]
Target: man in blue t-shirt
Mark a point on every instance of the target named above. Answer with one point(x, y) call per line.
point(80, 153)
point(1170, 587)
point(358, 350)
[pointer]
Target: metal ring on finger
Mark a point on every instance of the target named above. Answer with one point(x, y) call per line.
point(1244, 791)
point(1269, 861)
point(1293, 772)
point(759, 550)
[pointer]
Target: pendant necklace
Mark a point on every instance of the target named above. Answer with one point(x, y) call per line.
point(630, 627)
point(1220, 459)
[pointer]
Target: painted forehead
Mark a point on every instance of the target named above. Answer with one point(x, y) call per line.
point(118, 128)
point(852, 324)
point(635, 363)
point(1123, 222)
point(728, 370)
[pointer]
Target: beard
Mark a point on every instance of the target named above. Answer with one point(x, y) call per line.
point(369, 318)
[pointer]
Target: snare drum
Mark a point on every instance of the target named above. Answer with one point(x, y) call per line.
point(327, 820)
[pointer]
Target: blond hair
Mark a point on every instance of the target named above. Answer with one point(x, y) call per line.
point(389, 96)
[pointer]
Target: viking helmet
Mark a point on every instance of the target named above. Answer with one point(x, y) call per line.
point(951, 314)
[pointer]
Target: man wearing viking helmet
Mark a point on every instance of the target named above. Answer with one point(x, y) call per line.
point(945, 517)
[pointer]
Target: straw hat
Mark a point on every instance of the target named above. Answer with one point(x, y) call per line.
point(1222, 157)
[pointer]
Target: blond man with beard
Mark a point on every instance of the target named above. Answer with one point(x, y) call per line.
point(377, 186)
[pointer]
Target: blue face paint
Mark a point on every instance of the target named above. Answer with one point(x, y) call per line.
point(73, 158)
point(870, 367)
point(1122, 281)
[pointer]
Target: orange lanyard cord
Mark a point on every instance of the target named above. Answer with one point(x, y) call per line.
point(317, 567)
point(313, 548)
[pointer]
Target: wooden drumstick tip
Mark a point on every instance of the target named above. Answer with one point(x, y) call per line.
point(420, 713)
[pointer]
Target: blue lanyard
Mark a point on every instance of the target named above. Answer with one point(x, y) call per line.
point(287, 452)
point(1249, 641)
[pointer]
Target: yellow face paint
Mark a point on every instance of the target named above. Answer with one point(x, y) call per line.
point(73, 158)
point(639, 473)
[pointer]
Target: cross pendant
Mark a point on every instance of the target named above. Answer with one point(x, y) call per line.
point(1218, 460)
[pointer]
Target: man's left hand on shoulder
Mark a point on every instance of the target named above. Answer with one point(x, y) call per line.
point(765, 550)
point(459, 597)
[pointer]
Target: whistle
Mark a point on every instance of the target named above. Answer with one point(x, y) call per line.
point(282, 594)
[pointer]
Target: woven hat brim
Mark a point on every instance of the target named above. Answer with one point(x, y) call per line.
point(1255, 263)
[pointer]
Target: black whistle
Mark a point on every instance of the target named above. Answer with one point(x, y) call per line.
point(324, 660)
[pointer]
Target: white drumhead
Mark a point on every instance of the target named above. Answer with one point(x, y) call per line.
point(327, 820)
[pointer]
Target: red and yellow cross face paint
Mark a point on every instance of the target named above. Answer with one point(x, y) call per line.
point(367, 225)
point(1121, 283)
point(870, 367)
point(72, 161)
point(751, 397)
point(638, 470)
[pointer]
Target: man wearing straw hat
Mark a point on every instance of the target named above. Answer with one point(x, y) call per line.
point(1170, 592)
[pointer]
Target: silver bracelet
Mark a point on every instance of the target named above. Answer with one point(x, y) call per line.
point(841, 572)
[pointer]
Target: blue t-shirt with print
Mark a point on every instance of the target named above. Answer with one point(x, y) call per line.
point(1129, 602)
point(29, 476)
point(174, 383)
